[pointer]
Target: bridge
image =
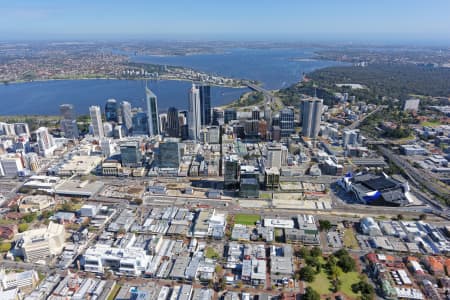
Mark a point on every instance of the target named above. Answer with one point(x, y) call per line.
point(267, 94)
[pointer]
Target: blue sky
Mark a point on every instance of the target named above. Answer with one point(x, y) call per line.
point(258, 19)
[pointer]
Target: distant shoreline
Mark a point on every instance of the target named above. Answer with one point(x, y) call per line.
point(111, 78)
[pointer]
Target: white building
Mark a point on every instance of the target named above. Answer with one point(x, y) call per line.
point(130, 261)
point(194, 117)
point(11, 165)
point(96, 121)
point(21, 280)
point(411, 105)
point(37, 244)
point(152, 112)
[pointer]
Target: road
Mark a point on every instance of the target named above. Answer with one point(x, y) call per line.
point(419, 178)
point(356, 124)
point(9, 264)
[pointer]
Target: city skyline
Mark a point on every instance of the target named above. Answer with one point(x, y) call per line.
point(348, 20)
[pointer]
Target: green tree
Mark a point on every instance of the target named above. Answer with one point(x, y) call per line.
point(316, 251)
point(347, 263)
point(324, 225)
point(307, 274)
point(28, 218)
point(5, 247)
point(22, 227)
point(310, 294)
point(303, 252)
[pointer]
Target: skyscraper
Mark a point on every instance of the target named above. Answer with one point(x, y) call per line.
point(311, 110)
point(229, 115)
point(163, 122)
point(256, 114)
point(111, 111)
point(173, 122)
point(205, 104)
point(44, 141)
point(152, 112)
point(287, 121)
point(68, 123)
point(67, 111)
point(169, 153)
point(140, 126)
point(218, 117)
point(194, 113)
point(125, 109)
point(96, 121)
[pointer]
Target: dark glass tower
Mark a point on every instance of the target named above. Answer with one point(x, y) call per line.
point(111, 111)
point(205, 104)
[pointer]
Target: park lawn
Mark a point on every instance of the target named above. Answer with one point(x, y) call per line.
point(321, 283)
point(431, 123)
point(265, 196)
point(211, 253)
point(246, 219)
point(350, 239)
point(347, 280)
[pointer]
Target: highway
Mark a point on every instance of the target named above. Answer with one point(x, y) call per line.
point(267, 94)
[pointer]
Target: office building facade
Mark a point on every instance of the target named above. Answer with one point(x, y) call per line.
point(96, 121)
point(131, 155)
point(194, 117)
point(287, 122)
point(127, 117)
point(205, 104)
point(169, 153)
point(173, 122)
point(311, 111)
point(152, 112)
point(112, 111)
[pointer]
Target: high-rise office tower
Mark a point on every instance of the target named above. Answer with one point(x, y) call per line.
point(96, 121)
point(311, 110)
point(152, 112)
point(111, 111)
point(287, 121)
point(67, 111)
point(44, 141)
point(169, 153)
point(68, 123)
point(194, 113)
point(127, 117)
point(140, 126)
point(131, 155)
point(163, 122)
point(256, 114)
point(229, 115)
point(231, 173)
point(218, 117)
point(205, 104)
point(173, 122)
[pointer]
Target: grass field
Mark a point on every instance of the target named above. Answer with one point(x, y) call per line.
point(321, 284)
point(350, 239)
point(431, 123)
point(246, 219)
point(211, 253)
point(265, 196)
point(347, 280)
